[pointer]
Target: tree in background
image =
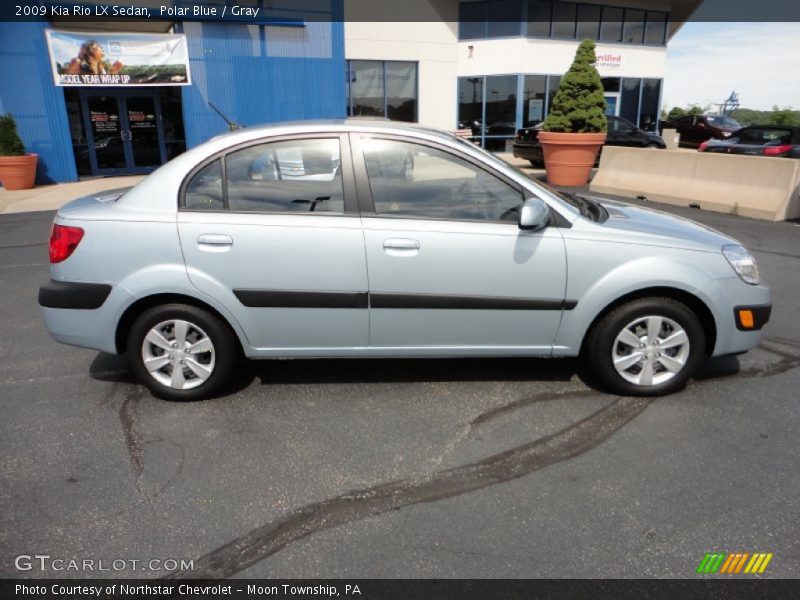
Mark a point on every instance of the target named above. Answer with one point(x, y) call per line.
point(579, 105)
point(745, 116)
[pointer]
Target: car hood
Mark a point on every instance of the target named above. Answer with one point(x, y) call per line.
point(661, 228)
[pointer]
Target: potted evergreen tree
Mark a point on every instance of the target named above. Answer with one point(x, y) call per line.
point(576, 126)
point(17, 169)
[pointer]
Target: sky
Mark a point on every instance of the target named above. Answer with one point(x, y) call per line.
point(760, 61)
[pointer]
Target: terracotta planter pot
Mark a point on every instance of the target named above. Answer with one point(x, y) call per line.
point(18, 172)
point(569, 157)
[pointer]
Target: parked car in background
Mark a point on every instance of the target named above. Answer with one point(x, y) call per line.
point(696, 129)
point(759, 140)
point(217, 255)
point(621, 132)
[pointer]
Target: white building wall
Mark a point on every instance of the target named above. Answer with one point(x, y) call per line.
point(554, 57)
point(434, 45)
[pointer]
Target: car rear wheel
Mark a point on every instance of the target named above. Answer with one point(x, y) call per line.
point(181, 352)
point(653, 146)
point(647, 347)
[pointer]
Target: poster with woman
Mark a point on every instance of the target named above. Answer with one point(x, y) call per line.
point(118, 59)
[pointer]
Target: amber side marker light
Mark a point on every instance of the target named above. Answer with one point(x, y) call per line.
point(746, 319)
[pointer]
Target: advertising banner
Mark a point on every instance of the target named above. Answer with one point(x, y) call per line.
point(118, 59)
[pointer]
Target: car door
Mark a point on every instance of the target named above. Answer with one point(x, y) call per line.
point(450, 272)
point(271, 231)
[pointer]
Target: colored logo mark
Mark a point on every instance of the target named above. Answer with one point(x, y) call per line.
point(732, 563)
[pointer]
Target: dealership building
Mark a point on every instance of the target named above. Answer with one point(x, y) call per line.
point(487, 66)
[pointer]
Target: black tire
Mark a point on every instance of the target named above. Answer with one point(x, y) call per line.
point(224, 344)
point(601, 344)
point(537, 164)
point(653, 146)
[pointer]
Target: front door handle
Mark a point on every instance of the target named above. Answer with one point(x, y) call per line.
point(215, 240)
point(401, 244)
point(401, 247)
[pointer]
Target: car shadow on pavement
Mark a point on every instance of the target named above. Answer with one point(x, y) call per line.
point(112, 368)
point(109, 367)
point(413, 370)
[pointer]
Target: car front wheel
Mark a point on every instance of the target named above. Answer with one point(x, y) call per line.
point(647, 347)
point(181, 352)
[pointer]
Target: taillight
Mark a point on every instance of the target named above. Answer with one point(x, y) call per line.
point(702, 147)
point(776, 150)
point(63, 241)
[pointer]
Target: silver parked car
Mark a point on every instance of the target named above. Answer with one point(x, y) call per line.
point(376, 239)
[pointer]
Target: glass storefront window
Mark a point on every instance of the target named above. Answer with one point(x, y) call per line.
point(505, 18)
point(366, 88)
point(470, 105)
point(564, 16)
point(648, 113)
point(611, 24)
point(533, 99)
point(588, 21)
point(501, 111)
point(633, 32)
point(656, 28)
point(485, 19)
point(80, 145)
point(629, 108)
point(382, 88)
point(172, 117)
point(472, 20)
point(539, 17)
point(401, 91)
point(552, 88)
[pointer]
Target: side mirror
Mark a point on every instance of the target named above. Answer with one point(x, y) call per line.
point(534, 215)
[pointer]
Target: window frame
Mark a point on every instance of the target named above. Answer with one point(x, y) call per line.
point(349, 96)
point(345, 159)
point(522, 9)
point(364, 187)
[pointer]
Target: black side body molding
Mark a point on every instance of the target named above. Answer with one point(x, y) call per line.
point(71, 294)
point(380, 300)
point(292, 299)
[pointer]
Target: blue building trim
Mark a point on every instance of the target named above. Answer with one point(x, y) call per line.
point(257, 74)
point(28, 93)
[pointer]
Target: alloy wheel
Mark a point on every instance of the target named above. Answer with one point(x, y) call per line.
point(178, 354)
point(650, 350)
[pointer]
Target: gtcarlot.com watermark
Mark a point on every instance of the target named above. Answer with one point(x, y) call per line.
point(45, 562)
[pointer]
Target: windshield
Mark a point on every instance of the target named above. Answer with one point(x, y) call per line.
point(722, 121)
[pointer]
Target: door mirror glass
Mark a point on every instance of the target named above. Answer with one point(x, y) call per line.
point(534, 215)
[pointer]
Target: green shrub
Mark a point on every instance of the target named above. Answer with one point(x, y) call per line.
point(10, 142)
point(579, 105)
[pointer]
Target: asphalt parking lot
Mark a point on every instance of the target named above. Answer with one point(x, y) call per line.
point(397, 468)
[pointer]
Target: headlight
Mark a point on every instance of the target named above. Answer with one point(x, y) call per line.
point(726, 134)
point(743, 263)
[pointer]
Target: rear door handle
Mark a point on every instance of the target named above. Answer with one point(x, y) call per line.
point(214, 242)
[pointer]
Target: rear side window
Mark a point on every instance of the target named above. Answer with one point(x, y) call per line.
point(204, 191)
point(765, 136)
point(289, 176)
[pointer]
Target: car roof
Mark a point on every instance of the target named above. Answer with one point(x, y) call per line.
point(360, 124)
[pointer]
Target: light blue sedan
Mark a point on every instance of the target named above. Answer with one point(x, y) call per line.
point(377, 239)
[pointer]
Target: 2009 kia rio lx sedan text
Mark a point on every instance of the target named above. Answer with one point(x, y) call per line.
point(375, 239)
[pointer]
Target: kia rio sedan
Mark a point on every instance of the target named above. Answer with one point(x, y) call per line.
point(376, 239)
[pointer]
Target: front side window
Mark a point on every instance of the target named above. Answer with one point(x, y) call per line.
point(292, 176)
point(409, 179)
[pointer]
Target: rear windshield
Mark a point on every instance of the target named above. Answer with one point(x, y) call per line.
point(722, 121)
point(765, 135)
